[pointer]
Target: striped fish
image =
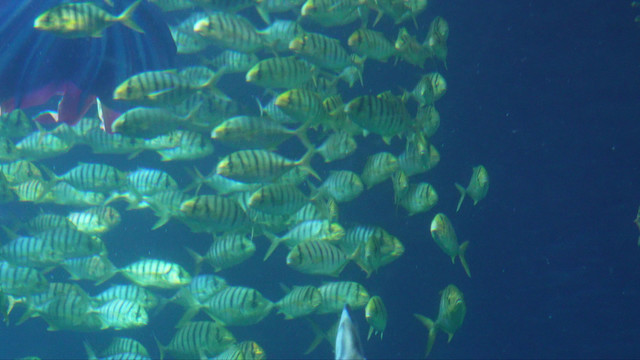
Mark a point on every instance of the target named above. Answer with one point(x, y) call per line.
point(163, 88)
point(150, 181)
point(302, 105)
point(253, 132)
point(279, 34)
point(30, 251)
point(342, 186)
point(332, 13)
point(225, 252)
point(95, 220)
point(198, 338)
point(93, 268)
point(311, 230)
point(120, 314)
point(437, 39)
point(281, 73)
point(246, 350)
point(156, 273)
point(38, 146)
point(76, 20)
point(212, 213)
point(20, 280)
point(376, 315)
point(65, 194)
point(72, 243)
point(33, 190)
point(410, 49)
point(429, 89)
point(133, 293)
point(336, 294)
point(260, 166)
point(122, 345)
point(191, 146)
point(233, 62)
point(419, 198)
point(300, 301)
point(229, 31)
point(94, 177)
point(238, 306)
point(278, 199)
point(372, 44)
point(20, 171)
point(385, 115)
point(323, 51)
point(378, 168)
point(201, 289)
point(337, 146)
point(317, 258)
point(43, 222)
point(69, 311)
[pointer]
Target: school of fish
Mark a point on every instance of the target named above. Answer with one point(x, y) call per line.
point(258, 190)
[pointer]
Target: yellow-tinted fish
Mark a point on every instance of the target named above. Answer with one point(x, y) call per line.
point(445, 236)
point(450, 315)
point(260, 166)
point(230, 31)
point(198, 338)
point(478, 186)
point(376, 315)
point(156, 273)
point(74, 20)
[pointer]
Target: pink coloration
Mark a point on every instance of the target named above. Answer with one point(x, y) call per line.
point(69, 109)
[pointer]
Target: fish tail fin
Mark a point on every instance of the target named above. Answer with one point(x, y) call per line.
point(370, 333)
point(305, 163)
point(210, 86)
point(161, 348)
point(91, 355)
point(463, 193)
point(198, 180)
point(188, 315)
point(199, 259)
point(162, 220)
point(432, 331)
point(319, 336)
point(461, 250)
point(264, 14)
point(301, 133)
point(126, 18)
point(275, 241)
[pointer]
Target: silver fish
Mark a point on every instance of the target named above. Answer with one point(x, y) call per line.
point(348, 345)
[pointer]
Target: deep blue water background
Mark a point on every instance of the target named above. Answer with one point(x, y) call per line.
point(545, 94)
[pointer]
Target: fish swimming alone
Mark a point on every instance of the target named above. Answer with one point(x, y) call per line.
point(38, 65)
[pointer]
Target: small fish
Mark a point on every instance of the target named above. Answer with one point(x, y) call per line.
point(230, 31)
point(76, 20)
point(299, 301)
point(157, 273)
point(419, 198)
point(478, 186)
point(450, 315)
point(444, 235)
point(376, 315)
point(337, 146)
point(238, 306)
point(348, 345)
point(198, 338)
point(225, 252)
point(260, 166)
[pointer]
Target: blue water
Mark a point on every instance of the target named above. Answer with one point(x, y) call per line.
point(545, 94)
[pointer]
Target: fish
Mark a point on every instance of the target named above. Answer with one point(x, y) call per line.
point(452, 311)
point(444, 235)
point(38, 66)
point(77, 20)
point(348, 344)
point(376, 315)
point(478, 186)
